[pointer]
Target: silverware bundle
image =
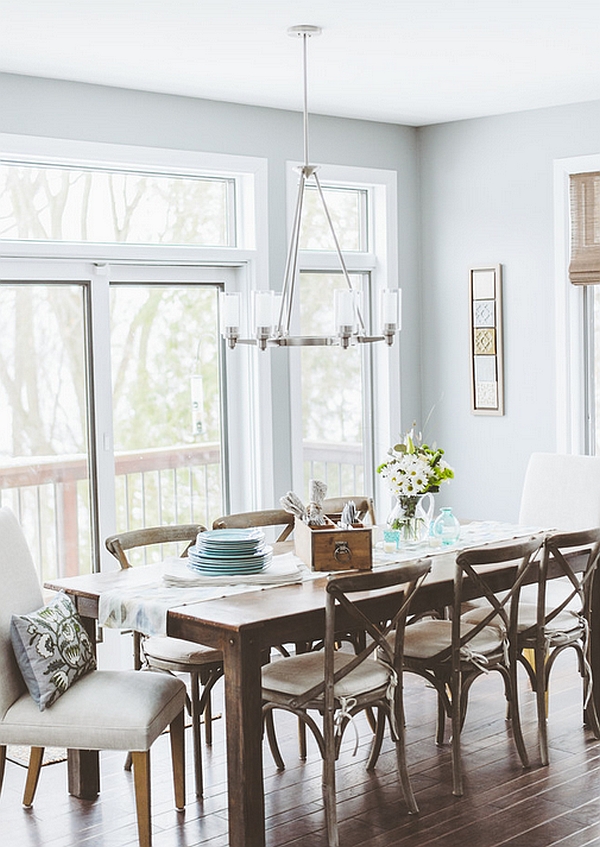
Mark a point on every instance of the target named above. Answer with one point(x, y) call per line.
point(312, 514)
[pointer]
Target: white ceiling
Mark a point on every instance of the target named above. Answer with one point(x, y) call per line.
point(404, 61)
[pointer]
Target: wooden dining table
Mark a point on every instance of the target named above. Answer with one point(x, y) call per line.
point(243, 627)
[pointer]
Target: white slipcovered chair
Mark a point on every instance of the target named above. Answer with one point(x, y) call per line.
point(120, 710)
point(561, 492)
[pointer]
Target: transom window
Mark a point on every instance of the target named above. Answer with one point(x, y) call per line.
point(43, 203)
point(348, 209)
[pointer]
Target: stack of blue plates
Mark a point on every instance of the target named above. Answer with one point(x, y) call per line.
point(222, 552)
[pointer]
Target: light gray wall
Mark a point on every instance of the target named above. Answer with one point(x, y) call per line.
point(52, 108)
point(487, 197)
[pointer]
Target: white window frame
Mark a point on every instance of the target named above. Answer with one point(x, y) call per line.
point(571, 376)
point(250, 446)
point(380, 261)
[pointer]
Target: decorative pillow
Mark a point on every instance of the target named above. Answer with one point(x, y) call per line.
point(52, 649)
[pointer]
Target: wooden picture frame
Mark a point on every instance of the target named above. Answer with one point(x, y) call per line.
point(487, 369)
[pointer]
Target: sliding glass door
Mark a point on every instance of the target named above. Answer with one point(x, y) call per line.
point(166, 389)
point(44, 420)
point(112, 407)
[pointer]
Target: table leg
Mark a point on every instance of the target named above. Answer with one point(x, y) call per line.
point(243, 711)
point(83, 773)
point(83, 766)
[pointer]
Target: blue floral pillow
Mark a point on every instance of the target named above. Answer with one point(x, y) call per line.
point(52, 649)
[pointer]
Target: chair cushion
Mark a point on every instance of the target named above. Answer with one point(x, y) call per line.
point(178, 651)
point(52, 649)
point(567, 621)
point(118, 710)
point(425, 639)
point(297, 674)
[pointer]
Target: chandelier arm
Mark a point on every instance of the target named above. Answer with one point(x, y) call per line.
point(285, 310)
point(337, 248)
point(292, 268)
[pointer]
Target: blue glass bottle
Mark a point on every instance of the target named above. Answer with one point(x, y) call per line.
point(446, 526)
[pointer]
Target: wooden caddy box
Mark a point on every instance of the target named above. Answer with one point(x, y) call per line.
point(328, 548)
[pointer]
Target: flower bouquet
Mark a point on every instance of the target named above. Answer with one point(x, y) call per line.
point(412, 470)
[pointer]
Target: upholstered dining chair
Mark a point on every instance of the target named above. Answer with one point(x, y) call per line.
point(159, 652)
point(451, 654)
point(100, 710)
point(338, 685)
point(561, 492)
point(560, 620)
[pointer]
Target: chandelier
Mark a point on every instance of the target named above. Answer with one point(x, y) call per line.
point(272, 313)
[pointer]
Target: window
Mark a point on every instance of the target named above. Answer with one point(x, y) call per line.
point(64, 204)
point(333, 393)
point(348, 210)
point(114, 391)
point(577, 304)
point(340, 425)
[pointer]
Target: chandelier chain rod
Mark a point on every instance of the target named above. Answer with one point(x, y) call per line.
point(305, 110)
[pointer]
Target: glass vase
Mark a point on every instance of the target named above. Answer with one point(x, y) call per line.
point(446, 527)
point(411, 517)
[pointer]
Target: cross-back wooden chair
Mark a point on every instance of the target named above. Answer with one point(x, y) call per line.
point(203, 664)
point(452, 654)
point(264, 518)
point(364, 506)
point(561, 620)
point(338, 685)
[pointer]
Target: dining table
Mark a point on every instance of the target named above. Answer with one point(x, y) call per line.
point(245, 626)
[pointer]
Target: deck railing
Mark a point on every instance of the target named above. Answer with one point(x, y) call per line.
point(177, 484)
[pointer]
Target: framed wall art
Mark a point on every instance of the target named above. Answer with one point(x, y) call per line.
point(487, 377)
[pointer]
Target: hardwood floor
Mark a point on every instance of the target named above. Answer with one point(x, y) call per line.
point(503, 804)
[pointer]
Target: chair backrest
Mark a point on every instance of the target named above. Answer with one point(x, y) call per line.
point(475, 575)
point(364, 506)
point(339, 589)
point(574, 557)
point(119, 543)
point(268, 517)
point(561, 492)
point(21, 593)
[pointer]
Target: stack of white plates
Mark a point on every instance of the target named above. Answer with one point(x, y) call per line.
point(221, 552)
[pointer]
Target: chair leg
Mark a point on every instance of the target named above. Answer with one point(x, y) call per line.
point(541, 703)
point(329, 789)
point(141, 775)
point(515, 712)
point(2, 763)
point(128, 762)
point(272, 739)
point(177, 738)
point(36, 756)
point(409, 796)
point(302, 751)
point(457, 784)
point(196, 733)
point(441, 721)
point(377, 740)
point(208, 737)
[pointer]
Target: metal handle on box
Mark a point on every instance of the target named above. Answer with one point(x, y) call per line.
point(342, 552)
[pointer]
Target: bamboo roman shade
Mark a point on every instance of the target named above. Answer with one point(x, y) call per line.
point(584, 268)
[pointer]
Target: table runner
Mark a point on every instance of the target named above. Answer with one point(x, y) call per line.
point(143, 607)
